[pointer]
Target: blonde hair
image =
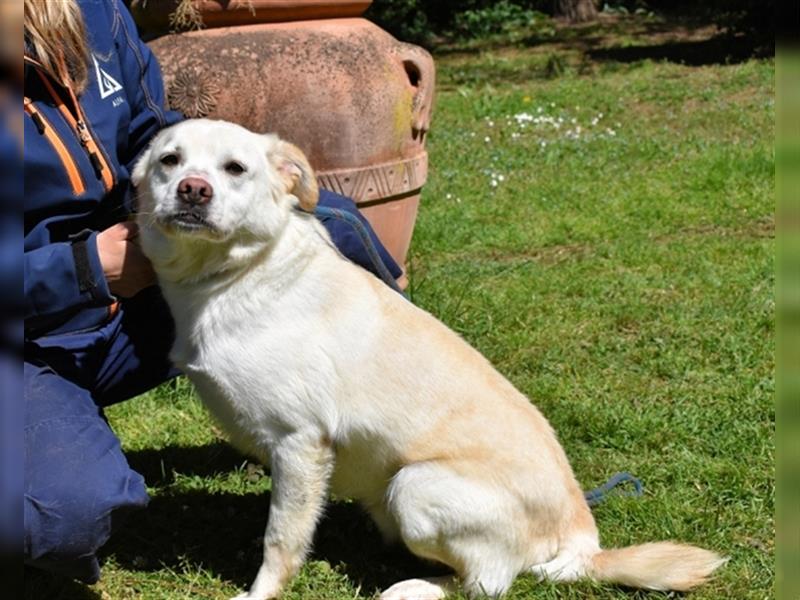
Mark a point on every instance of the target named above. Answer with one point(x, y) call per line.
point(57, 34)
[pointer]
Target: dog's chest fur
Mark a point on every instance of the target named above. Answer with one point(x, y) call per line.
point(237, 350)
point(269, 363)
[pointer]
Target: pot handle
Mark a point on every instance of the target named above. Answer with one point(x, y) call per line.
point(421, 72)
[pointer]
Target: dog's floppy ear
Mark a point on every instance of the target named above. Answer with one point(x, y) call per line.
point(140, 168)
point(300, 180)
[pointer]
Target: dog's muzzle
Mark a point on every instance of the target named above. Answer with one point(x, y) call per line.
point(191, 213)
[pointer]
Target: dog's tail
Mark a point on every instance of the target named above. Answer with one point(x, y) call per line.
point(655, 566)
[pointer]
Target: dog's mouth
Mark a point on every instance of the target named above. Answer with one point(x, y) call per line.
point(189, 221)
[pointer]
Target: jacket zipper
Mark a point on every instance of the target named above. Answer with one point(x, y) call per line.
point(47, 130)
point(101, 167)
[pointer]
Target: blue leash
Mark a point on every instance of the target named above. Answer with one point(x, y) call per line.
point(599, 494)
point(593, 497)
point(363, 234)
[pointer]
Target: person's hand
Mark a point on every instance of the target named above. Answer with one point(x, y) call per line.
point(127, 269)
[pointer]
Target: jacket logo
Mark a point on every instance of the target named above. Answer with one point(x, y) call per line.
point(105, 82)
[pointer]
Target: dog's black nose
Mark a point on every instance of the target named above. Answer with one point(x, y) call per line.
point(195, 190)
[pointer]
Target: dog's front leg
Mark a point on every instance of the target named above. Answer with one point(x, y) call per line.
point(302, 463)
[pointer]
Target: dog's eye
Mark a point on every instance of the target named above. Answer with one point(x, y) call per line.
point(235, 168)
point(169, 160)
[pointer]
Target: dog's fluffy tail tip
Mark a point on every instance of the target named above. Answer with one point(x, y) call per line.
point(656, 566)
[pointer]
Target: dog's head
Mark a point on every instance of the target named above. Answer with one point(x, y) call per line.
point(212, 194)
point(216, 180)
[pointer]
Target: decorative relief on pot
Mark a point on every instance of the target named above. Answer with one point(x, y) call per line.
point(378, 182)
point(192, 94)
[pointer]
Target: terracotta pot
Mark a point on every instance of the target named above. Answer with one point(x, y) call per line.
point(354, 99)
point(154, 15)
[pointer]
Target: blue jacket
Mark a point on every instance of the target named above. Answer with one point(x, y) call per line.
point(77, 168)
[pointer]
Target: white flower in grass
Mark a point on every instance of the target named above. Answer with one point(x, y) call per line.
point(495, 178)
point(487, 139)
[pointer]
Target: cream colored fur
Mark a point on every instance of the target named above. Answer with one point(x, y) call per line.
point(311, 363)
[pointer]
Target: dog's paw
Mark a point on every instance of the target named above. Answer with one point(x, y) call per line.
point(418, 589)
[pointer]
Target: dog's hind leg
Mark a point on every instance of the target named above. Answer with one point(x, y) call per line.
point(459, 521)
point(301, 468)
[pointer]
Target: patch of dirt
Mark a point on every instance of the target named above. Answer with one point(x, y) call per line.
point(763, 227)
point(618, 30)
point(549, 255)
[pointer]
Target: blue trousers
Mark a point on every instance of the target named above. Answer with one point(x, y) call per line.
point(78, 484)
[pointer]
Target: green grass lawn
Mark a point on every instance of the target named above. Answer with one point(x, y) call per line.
point(603, 232)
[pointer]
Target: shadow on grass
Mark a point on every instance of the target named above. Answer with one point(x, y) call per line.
point(40, 585)
point(222, 532)
point(721, 49)
point(158, 466)
point(603, 32)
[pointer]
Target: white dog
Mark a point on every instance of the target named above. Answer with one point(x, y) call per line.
point(311, 363)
